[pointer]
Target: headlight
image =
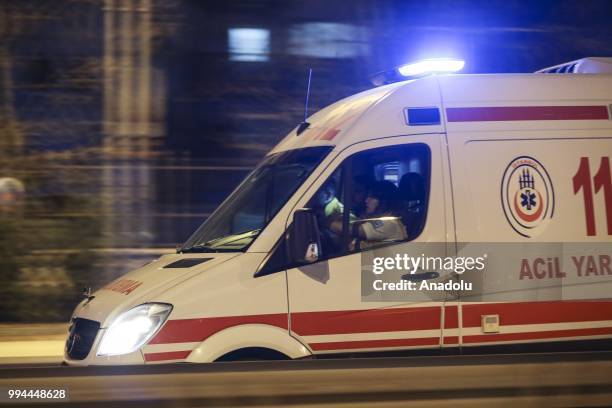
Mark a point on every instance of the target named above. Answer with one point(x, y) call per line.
point(133, 328)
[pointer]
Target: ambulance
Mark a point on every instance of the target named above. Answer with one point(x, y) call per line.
point(511, 168)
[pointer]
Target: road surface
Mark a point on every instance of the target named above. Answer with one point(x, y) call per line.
point(553, 379)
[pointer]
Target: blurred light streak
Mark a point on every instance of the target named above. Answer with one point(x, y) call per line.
point(249, 44)
point(328, 40)
point(431, 66)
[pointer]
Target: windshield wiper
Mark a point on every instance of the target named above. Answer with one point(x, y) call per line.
point(212, 241)
point(208, 246)
point(198, 249)
point(204, 249)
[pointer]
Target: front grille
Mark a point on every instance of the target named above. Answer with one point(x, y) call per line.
point(82, 335)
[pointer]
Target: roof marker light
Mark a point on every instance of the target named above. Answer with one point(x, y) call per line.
point(431, 66)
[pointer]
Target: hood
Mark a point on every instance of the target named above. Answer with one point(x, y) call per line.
point(144, 284)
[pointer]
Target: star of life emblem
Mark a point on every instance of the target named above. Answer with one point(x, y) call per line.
point(527, 195)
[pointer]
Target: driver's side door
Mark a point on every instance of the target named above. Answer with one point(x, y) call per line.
point(332, 304)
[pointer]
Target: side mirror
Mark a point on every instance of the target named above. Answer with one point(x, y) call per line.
point(304, 238)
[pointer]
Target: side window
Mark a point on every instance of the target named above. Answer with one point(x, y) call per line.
point(385, 191)
point(376, 197)
point(327, 204)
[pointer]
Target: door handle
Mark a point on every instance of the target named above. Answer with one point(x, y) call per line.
point(421, 276)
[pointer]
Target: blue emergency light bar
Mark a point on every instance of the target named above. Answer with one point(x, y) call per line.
point(417, 69)
point(431, 66)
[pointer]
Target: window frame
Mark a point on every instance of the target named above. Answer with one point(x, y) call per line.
point(346, 167)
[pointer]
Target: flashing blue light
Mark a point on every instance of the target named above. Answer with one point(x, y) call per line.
point(431, 66)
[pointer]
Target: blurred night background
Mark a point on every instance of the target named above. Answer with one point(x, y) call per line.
point(123, 123)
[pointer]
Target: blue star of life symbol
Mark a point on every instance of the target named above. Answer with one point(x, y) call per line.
point(528, 199)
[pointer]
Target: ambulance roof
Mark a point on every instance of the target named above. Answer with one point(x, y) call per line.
point(381, 112)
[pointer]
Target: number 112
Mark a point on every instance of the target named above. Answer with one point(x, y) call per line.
point(582, 181)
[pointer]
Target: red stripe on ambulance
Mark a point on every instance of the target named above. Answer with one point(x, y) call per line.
point(400, 319)
point(328, 134)
point(192, 330)
point(514, 113)
point(366, 321)
point(550, 334)
point(538, 312)
point(450, 340)
point(451, 317)
point(169, 355)
point(368, 344)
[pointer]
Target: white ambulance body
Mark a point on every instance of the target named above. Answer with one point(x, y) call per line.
point(516, 159)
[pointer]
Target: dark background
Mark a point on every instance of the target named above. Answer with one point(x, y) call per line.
point(123, 123)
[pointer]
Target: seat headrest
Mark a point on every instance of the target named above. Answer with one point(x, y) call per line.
point(412, 187)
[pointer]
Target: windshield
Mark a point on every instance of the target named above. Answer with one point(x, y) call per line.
point(234, 225)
